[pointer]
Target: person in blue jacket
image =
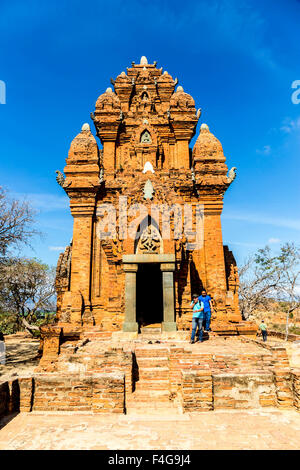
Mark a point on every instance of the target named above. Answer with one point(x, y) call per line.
point(208, 306)
point(198, 318)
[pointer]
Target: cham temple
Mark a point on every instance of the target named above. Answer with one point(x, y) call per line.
point(129, 283)
point(120, 340)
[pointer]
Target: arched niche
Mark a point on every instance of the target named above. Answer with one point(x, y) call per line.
point(145, 137)
point(144, 96)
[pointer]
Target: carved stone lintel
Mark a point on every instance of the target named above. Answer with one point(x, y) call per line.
point(150, 240)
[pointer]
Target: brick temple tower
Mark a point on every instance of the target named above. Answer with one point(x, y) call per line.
point(118, 282)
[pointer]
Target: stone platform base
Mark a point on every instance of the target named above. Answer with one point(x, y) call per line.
point(54, 336)
point(123, 336)
point(126, 374)
point(263, 429)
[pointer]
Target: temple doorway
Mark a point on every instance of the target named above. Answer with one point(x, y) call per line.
point(149, 294)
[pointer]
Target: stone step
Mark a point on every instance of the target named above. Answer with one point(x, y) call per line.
point(151, 330)
point(145, 401)
point(149, 395)
point(156, 361)
point(154, 373)
point(160, 384)
point(151, 351)
point(150, 404)
point(151, 401)
point(146, 337)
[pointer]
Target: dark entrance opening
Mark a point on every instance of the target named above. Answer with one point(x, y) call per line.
point(149, 294)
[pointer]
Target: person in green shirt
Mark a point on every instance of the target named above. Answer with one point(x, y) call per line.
point(263, 329)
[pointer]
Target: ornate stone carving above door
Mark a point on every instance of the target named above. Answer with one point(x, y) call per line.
point(150, 241)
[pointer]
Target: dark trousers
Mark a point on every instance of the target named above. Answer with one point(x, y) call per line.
point(264, 335)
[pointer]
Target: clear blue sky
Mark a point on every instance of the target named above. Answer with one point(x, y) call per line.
point(237, 59)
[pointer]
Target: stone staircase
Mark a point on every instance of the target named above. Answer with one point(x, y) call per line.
point(150, 332)
point(152, 393)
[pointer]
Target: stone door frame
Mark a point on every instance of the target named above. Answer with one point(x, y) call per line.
point(167, 266)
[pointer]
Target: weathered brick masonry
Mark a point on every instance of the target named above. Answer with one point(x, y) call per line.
point(145, 126)
point(102, 392)
point(112, 283)
point(98, 377)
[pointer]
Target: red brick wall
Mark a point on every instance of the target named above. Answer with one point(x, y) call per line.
point(296, 388)
point(98, 393)
point(196, 392)
point(235, 390)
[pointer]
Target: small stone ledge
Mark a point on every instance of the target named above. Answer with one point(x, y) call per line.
point(277, 334)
